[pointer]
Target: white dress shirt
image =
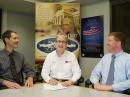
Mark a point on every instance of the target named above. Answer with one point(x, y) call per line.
point(64, 67)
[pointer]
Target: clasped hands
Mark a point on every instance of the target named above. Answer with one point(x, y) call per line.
point(65, 83)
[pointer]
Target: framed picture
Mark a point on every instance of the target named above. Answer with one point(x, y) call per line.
point(92, 37)
point(52, 18)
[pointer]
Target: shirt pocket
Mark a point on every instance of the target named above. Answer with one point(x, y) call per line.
point(4, 66)
point(53, 66)
point(105, 71)
point(18, 66)
point(120, 66)
point(0, 67)
point(67, 66)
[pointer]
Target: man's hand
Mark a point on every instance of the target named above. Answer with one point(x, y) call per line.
point(101, 87)
point(53, 82)
point(29, 82)
point(67, 83)
point(11, 85)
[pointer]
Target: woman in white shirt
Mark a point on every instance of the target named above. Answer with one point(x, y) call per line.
point(61, 65)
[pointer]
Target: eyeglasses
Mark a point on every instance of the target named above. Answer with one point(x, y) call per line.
point(59, 41)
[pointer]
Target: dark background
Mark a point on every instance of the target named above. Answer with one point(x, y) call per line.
point(0, 21)
point(121, 19)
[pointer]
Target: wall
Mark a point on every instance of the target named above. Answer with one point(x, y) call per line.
point(24, 24)
point(95, 9)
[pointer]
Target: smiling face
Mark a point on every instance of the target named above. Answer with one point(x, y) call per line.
point(112, 44)
point(61, 43)
point(13, 41)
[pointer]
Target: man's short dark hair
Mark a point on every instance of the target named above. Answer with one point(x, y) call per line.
point(119, 36)
point(7, 34)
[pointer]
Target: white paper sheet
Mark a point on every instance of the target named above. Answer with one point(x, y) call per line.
point(56, 87)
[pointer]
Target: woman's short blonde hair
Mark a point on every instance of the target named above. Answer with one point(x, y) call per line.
point(63, 35)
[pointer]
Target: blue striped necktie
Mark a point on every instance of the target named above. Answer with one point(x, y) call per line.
point(110, 78)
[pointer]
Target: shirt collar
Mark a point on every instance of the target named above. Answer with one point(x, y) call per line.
point(119, 53)
point(7, 52)
point(61, 55)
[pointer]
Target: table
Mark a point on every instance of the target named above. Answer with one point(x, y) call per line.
point(73, 91)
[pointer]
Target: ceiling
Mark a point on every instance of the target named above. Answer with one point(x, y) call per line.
point(28, 6)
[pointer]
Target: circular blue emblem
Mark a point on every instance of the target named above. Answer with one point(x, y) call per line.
point(48, 45)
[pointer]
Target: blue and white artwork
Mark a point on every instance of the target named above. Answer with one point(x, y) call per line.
point(92, 37)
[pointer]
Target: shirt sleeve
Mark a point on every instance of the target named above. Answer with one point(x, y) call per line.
point(75, 69)
point(1, 80)
point(28, 69)
point(96, 73)
point(46, 69)
point(121, 86)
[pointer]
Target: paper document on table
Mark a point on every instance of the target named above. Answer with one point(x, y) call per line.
point(51, 87)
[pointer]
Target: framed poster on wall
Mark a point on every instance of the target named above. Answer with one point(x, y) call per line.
point(92, 37)
point(52, 18)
